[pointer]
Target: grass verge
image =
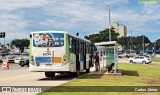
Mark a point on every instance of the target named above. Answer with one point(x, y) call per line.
point(133, 75)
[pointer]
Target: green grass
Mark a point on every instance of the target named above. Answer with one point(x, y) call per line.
point(155, 60)
point(134, 75)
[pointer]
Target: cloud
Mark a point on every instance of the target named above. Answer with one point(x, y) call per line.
point(91, 16)
point(10, 5)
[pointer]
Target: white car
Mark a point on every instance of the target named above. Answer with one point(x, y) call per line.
point(140, 59)
point(17, 60)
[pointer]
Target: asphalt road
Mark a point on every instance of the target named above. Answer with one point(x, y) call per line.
point(13, 66)
point(20, 76)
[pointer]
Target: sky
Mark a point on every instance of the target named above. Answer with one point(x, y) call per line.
point(20, 17)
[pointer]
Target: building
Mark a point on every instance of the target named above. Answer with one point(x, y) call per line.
point(120, 28)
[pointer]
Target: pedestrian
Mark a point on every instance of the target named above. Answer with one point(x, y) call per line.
point(96, 57)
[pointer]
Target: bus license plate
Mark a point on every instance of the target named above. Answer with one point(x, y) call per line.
point(48, 64)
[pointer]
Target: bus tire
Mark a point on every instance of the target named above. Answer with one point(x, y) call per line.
point(50, 74)
point(88, 70)
point(75, 74)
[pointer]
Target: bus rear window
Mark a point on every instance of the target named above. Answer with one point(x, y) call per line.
point(48, 39)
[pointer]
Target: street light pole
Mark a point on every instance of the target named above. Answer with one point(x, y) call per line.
point(155, 48)
point(4, 41)
point(131, 42)
point(143, 44)
point(109, 23)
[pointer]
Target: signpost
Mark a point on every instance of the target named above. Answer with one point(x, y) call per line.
point(3, 35)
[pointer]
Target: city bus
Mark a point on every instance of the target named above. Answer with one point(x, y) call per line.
point(59, 52)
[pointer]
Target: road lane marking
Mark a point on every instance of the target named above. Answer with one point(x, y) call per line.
point(12, 78)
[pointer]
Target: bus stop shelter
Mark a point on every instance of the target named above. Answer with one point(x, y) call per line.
point(108, 51)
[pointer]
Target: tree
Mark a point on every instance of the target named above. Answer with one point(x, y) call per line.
point(139, 42)
point(124, 41)
point(136, 43)
point(102, 36)
point(157, 44)
point(21, 43)
point(151, 46)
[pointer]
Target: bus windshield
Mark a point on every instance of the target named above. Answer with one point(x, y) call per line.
point(48, 39)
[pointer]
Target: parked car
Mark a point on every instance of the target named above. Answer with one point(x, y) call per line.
point(24, 53)
point(10, 58)
point(17, 60)
point(140, 59)
point(4, 53)
point(130, 54)
point(148, 56)
point(23, 62)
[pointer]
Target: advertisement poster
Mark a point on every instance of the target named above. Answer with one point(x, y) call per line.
point(48, 39)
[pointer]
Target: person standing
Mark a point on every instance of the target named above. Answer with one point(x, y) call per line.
point(96, 57)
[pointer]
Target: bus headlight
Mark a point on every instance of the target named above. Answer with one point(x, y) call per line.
point(32, 59)
point(64, 57)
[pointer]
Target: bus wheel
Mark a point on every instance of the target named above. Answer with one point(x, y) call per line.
point(75, 74)
point(49, 74)
point(88, 70)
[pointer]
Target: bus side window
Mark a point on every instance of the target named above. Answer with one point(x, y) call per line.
point(70, 44)
point(81, 47)
point(87, 48)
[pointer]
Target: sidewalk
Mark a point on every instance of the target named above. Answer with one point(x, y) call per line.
point(104, 71)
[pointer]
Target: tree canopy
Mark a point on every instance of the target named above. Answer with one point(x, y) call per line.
point(103, 36)
point(135, 42)
point(21, 43)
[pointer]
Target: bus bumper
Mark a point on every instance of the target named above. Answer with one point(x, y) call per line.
point(64, 68)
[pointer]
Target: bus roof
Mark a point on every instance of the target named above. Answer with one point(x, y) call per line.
point(61, 32)
point(80, 38)
point(49, 32)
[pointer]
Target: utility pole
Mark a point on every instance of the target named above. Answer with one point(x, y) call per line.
point(4, 41)
point(131, 42)
point(109, 23)
point(143, 44)
point(155, 45)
